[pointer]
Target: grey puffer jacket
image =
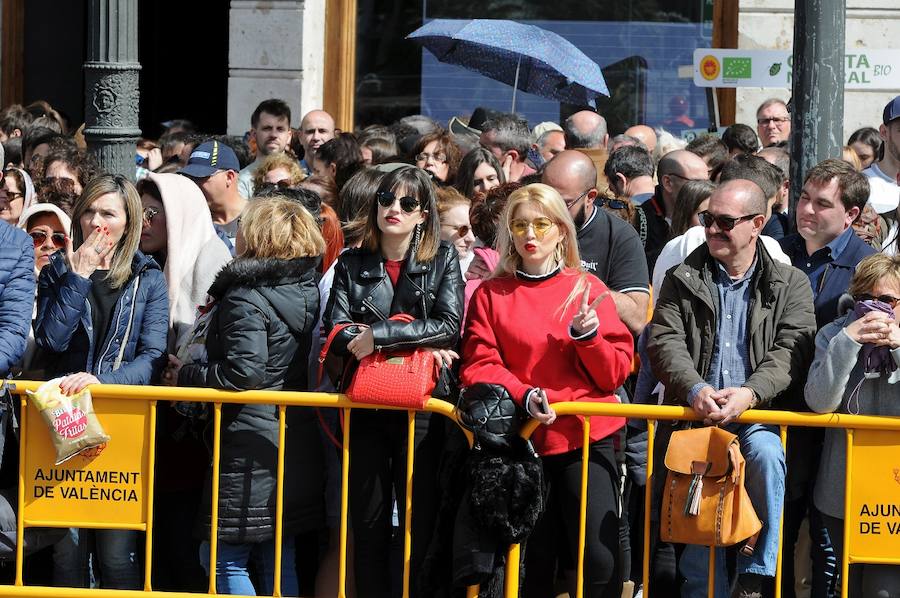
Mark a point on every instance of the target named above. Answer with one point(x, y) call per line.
point(259, 339)
point(835, 373)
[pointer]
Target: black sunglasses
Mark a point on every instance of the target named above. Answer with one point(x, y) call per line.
point(723, 222)
point(614, 204)
point(889, 299)
point(387, 198)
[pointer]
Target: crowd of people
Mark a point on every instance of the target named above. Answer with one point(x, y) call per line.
point(556, 262)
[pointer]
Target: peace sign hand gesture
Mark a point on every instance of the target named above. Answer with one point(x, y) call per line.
point(586, 320)
point(91, 253)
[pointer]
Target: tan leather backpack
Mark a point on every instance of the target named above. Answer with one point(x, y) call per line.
point(705, 501)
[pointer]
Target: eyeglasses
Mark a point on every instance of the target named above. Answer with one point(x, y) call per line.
point(39, 237)
point(462, 230)
point(519, 227)
point(614, 204)
point(149, 214)
point(437, 157)
point(774, 120)
point(572, 202)
point(889, 299)
point(723, 222)
point(684, 178)
point(282, 184)
point(387, 198)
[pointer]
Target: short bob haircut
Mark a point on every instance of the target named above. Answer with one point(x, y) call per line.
point(873, 269)
point(415, 182)
point(280, 228)
point(279, 160)
point(465, 179)
point(551, 203)
point(446, 145)
point(120, 267)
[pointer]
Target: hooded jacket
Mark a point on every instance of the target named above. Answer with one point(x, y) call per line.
point(136, 339)
point(259, 339)
point(194, 254)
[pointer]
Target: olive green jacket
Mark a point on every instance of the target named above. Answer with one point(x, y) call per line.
point(781, 327)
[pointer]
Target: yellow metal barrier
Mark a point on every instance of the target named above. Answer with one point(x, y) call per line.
point(651, 413)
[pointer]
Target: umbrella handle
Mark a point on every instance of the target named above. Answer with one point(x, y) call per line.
point(516, 84)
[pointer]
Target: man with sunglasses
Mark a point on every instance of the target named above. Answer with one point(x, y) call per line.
point(673, 171)
point(733, 330)
point(609, 247)
point(827, 249)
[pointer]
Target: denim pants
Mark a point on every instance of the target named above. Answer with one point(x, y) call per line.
point(116, 551)
point(765, 471)
point(232, 576)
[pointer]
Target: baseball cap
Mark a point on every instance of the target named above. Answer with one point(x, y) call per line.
point(208, 158)
point(892, 110)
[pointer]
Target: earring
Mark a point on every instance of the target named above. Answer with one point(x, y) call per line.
point(558, 253)
point(417, 236)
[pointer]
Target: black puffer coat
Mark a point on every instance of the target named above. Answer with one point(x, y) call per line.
point(259, 339)
point(431, 292)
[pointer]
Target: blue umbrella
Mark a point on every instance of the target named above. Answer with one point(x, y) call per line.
point(527, 57)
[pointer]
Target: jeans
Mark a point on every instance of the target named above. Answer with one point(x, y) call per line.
point(116, 552)
point(765, 471)
point(232, 576)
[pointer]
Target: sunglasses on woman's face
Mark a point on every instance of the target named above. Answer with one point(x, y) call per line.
point(387, 198)
point(149, 214)
point(519, 227)
point(889, 299)
point(614, 204)
point(39, 237)
point(462, 230)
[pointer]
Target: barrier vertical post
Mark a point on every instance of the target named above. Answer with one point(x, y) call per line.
point(20, 512)
point(845, 556)
point(279, 503)
point(711, 578)
point(582, 507)
point(214, 510)
point(648, 505)
point(345, 499)
point(407, 516)
point(778, 562)
point(151, 471)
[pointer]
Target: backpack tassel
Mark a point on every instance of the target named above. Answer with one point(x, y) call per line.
point(695, 491)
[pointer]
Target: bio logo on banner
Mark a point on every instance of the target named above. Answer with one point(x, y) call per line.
point(737, 68)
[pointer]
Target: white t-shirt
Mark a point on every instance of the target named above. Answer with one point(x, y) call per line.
point(676, 250)
point(245, 178)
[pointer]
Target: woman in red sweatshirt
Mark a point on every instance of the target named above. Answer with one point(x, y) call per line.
point(549, 333)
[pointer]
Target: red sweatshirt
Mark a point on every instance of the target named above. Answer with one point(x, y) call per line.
point(517, 336)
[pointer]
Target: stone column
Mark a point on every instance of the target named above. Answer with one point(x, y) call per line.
point(276, 50)
point(111, 84)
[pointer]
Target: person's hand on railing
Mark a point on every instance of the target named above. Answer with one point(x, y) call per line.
point(169, 377)
point(363, 344)
point(444, 357)
point(538, 407)
point(706, 406)
point(75, 383)
point(732, 402)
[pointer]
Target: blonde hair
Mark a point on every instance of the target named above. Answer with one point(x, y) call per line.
point(279, 160)
point(849, 155)
point(549, 201)
point(123, 255)
point(278, 227)
point(448, 198)
point(873, 269)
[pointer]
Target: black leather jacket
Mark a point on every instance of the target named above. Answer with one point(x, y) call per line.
point(431, 292)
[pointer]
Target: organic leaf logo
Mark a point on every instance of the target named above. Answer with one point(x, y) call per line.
point(774, 69)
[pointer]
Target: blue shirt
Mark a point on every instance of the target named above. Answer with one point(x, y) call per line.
point(730, 363)
point(815, 265)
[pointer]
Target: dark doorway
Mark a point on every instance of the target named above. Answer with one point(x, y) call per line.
point(183, 48)
point(54, 54)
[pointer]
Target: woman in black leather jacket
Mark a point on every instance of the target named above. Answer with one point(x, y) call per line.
point(402, 267)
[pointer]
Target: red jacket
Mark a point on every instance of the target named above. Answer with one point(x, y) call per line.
point(517, 336)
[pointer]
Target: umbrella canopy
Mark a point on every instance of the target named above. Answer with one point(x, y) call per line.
point(529, 58)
